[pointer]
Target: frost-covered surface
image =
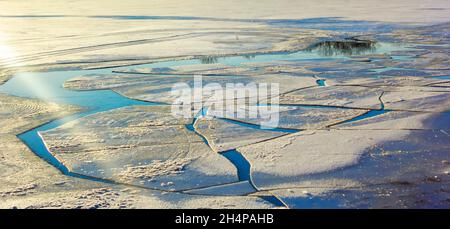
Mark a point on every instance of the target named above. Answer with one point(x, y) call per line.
point(395, 120)
point(282, 162)
point(394, 159)
point(342, 96)
point(224, 135)
point(159, 88)
point(23, 175)
point(144, 146)
point(304, 117)
point(409, 173)
point(234, 189)
point(19, 114)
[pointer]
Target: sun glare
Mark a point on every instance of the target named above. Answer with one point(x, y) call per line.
point(6, 52)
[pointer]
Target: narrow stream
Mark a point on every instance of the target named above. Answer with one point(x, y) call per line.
point(369, 114)
point(237, 159)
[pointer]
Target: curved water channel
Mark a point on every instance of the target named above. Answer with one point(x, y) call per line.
point(47, 86)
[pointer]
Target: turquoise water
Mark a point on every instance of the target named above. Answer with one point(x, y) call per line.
point(47, 86)
point(191, 126)
point(369, 114)
point(321, 82)
point(442, 77)
point(241, 163)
